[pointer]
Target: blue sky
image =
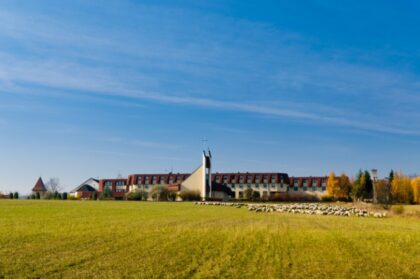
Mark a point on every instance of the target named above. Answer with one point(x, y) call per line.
point(101, 88)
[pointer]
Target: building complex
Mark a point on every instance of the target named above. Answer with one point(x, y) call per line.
point(220, 186)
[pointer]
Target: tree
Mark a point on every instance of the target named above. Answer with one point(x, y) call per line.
point(332, 184)
point(357, 187)
point(415, 184)
point(53, 185)
point(16, 195)
point(159, 193)
point(344, 187)
point(11, 195)
point(391, 176)
point(251, 195)
point(38, 195)
point(248, 194)
point(401, 189)
point(106, 194)
point(383, 192)
point(367, 187)
point(64, 195)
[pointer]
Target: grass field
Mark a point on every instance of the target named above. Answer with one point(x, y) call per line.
point(181, 240)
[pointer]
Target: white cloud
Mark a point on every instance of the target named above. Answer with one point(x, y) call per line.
point(211, 62)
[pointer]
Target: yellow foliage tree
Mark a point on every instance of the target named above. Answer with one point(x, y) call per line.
point(401, 188)
point(332, 185)
point(415, 184)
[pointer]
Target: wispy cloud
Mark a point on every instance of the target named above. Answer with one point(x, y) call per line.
point(206, 68)
point(140, 143)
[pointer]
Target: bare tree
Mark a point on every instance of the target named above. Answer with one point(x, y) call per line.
point(53, 185)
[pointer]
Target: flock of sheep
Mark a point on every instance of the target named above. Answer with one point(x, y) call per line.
point(302, 208)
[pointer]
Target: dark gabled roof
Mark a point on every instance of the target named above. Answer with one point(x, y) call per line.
point(79, 188)
point(39, 186)
point(85, 188)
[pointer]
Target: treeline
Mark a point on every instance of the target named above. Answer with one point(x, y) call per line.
point(396, 188)
point(49, 195)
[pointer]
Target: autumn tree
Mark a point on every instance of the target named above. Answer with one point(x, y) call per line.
point(332, 184)
point(415, 184)
point(401, 188)
point(343, 188)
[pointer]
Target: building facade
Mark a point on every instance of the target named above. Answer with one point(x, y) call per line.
point(220, 186)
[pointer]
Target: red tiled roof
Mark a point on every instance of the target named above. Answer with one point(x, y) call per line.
point(39, 186)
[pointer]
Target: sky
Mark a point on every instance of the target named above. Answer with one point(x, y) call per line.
point(107, 88)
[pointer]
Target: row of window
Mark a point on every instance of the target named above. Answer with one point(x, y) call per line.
point(265, 179)
point(305, 182)
point(118, 183)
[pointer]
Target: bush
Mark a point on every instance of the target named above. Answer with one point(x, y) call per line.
point(72, 198)
point(327, 198)
point(189, 195)
point(94, 196)
point(398, 209)
point(135, 195)
point(159, 193)
point(172, 196)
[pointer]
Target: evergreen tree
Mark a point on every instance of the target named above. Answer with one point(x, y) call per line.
point(11, 196)
point(391, 176)
point(16, 195)
point(357, 186)
point(64, 196)
point(368, 186)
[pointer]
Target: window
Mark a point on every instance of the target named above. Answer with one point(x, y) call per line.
point(171, 179)
point(232, 185)
point(224, 179)
point(154, 180)
point(265, 179)
point(241, 180)
point(120, 183)
point(108, 183)
point(178, 178)
point(295, 188)
point(273, 179)
point(314, 182)
point(296, 183)
point(323, 182)
point(305, 182)
point(313, 188)
point(139, 180)
point(305, 188)
point(162, 180)
point(323, 188)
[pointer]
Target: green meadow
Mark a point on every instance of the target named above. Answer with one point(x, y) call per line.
point(110, 239)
